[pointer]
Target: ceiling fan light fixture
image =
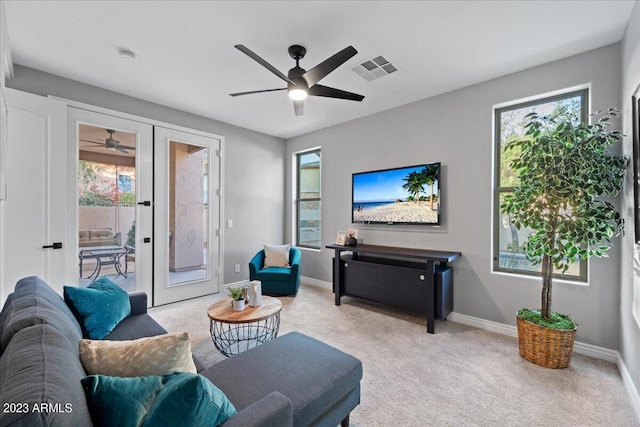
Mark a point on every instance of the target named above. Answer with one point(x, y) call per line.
point(298, 94)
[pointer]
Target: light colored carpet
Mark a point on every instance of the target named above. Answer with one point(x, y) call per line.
point(459, 376)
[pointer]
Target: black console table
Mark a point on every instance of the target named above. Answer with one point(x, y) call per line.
point(405, 278)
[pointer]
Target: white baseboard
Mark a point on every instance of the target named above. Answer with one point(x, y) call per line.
point(315, 282)
point(632, 391)
point(240, 282)
point(487, 325)
point(500, 328)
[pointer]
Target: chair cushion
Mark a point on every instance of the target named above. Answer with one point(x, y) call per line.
point(99, 307)
point(278, 274)
point(159, 355)
point(276, 255)
point(169, 400)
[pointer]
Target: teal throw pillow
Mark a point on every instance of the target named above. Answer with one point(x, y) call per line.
point(189, 400)
point(169, 400)
point(123, 402)
point(99, 307)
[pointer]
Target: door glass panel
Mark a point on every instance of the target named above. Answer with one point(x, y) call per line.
point(106, 205)
point(188, 212)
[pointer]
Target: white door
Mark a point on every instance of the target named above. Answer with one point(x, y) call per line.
point(187, 215)
point(35, 207)
point(88, 132)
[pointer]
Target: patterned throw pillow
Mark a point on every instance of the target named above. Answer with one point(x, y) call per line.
point(276, 255)
point(159, 355)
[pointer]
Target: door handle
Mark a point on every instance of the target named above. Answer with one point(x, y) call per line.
point(145, 203)
point(147, 240)
point(56, 245)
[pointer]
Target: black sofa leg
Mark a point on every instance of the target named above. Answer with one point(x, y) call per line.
point(345, 422)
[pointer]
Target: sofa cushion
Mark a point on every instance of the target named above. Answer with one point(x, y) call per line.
point(159, 355)
point(33, 285)
point(29, 310)
point(38, 368)
point(276, 255)
point(175, 399)
point(100, 234)
point(99, 307)
point(278, 274)
point(134, 327)
point(314, 377)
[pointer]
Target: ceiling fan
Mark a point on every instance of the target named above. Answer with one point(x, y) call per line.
point(111, 143)
point(301, 82)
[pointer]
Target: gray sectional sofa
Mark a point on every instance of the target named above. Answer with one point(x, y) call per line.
point(294, 380)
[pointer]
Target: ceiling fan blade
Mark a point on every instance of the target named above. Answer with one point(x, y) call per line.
point(127, 147)
point(93, 142)
point(262, 62)
point(329, 92)
point(318, 72)
point(255, 91)
point(298, 107)
point(122, 150)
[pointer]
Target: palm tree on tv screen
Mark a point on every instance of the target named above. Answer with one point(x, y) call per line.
point(429, 176)
point(414, 184)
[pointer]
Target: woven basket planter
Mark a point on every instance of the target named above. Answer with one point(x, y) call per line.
point(544, 346)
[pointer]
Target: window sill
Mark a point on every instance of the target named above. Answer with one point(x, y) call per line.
point(576, 282)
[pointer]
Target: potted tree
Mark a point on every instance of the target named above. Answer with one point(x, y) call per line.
point(564, 167)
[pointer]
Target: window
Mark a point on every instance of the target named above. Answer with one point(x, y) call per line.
point(308, 199)
point(507, 240)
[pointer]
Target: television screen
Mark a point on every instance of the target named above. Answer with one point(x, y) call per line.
point(407, 195)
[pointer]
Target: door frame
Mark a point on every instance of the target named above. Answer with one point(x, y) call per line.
point(72, 178)
point(165, 293)
point(144, 184)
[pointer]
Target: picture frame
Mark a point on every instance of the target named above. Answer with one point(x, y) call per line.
point(635, 111)
point(341, 238)
point(352, 232)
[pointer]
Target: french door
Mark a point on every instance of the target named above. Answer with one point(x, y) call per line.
point(110, 182)
point(187, 228)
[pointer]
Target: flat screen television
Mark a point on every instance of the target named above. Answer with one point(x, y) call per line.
point(405, 195)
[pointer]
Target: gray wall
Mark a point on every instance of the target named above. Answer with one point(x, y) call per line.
point(456, 129)
point(254, 164)
point(629, 326)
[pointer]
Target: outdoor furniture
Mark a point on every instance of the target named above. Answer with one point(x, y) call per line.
point(108, 255)
point(94, 237)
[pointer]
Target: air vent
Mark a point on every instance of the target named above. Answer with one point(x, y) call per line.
point(374, 68)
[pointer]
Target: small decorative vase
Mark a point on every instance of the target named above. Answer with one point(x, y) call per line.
point(238, 305)
point(255, 293)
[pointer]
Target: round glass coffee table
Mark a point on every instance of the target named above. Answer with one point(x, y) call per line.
point(233, 332)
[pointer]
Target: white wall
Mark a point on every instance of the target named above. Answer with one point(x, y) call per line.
point(630, 276)
point(254, 164)
point(456, 129)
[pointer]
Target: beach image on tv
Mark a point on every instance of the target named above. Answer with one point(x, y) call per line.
point(403, 195)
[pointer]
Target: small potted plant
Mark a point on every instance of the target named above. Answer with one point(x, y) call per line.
point(564, 169)
point(238, 295)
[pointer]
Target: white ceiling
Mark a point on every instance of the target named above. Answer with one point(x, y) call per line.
point(186, 59)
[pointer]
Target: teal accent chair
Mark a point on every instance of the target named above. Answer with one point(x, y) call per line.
point(277, 280)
